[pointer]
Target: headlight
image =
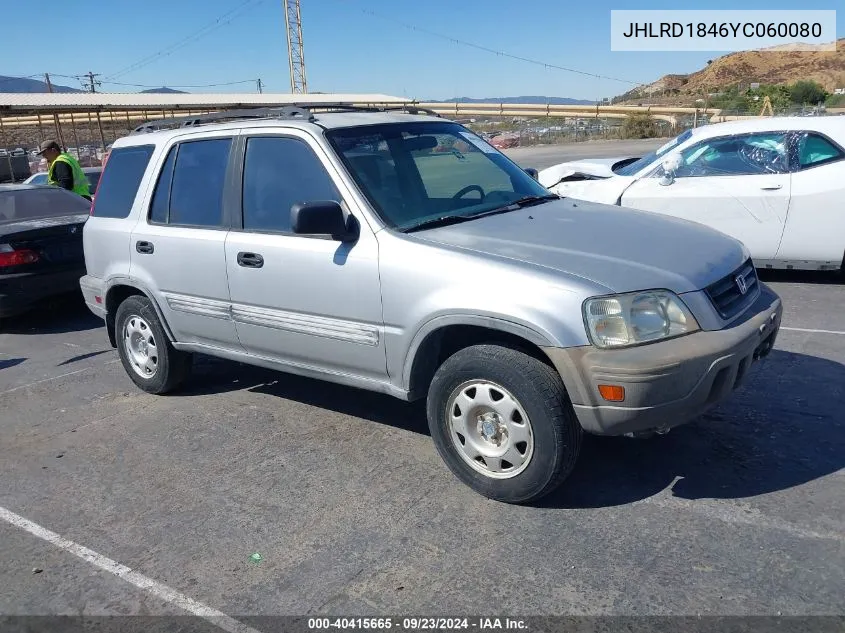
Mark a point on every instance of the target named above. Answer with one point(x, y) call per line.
point(639, 317)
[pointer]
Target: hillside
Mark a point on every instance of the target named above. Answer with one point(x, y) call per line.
point(14, 84)
point(163, 91)
point(31, 86)
point(522, 99)
point(773, 66)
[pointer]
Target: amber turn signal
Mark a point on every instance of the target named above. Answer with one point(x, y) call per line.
point(613, 393)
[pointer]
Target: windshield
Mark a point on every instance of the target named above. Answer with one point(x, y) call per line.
point(645, 161)
point(413, 172)
point(29, 204)
point(93, 179)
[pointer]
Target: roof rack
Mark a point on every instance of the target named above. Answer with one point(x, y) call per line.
point(285, 112)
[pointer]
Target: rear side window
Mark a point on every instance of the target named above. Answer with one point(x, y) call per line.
point(199, 175)
point(160, 206)
point(119, 183)
point(816, 150)
point(278, 173)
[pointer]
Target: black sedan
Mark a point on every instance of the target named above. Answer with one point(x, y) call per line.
point(41, 252)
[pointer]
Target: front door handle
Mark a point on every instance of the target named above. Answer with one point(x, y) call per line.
point(772, 187)
point(250, 260)
point(144, 247)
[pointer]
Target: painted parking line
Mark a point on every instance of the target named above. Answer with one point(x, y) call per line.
point(38, 382)
point(43, 380)
point(215, 617)
point(811, 331)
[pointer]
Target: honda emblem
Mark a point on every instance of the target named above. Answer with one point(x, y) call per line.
point(740, 283)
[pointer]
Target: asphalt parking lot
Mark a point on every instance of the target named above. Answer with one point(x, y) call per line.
point(343, 496)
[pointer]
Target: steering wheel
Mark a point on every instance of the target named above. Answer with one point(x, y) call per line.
point(467, 189)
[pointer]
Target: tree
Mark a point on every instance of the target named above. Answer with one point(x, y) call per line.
point(778, 95)
point(807, 93)
point(640, 126)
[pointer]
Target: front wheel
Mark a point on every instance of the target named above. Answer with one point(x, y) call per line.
point(502, 422)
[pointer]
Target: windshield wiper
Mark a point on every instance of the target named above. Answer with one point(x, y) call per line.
point(446, 220)
point(443, 220)
point(526, 201)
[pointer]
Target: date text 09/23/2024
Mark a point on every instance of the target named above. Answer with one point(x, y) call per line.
point(418, 624)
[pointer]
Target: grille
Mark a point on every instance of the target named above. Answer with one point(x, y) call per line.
point(726, 295)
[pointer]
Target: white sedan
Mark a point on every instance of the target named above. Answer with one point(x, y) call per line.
point(777, 184)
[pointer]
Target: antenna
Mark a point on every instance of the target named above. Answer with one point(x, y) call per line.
point(296, 55)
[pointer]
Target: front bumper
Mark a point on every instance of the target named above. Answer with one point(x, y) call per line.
point(669, 383)
point(21, 292)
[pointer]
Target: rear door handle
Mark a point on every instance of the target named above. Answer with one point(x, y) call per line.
point(144, 247)
point(771, 187)
point(250, 260)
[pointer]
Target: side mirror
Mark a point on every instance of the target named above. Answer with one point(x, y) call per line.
point(532, 172)
point(323, 217)
point(670, 165)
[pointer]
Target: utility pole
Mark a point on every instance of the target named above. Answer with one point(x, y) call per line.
point(92, 83)
point(59, 136)
point(296, 54)
point(260, 86)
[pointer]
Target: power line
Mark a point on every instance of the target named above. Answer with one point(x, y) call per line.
point(239, 10)
point(455, 40)
point(228, 83)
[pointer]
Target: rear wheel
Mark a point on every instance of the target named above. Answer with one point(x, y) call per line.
point(502, 422)
point(145, 351)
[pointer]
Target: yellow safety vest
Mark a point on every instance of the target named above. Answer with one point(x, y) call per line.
point(80, 181)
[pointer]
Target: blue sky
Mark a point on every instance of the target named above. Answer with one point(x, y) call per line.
point(346, 48)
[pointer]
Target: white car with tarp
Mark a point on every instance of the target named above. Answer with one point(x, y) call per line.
point(777, 184)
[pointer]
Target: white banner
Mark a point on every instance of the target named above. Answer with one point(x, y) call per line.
point(722, 30)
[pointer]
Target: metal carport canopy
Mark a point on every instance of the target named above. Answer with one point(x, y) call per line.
point(23, 103)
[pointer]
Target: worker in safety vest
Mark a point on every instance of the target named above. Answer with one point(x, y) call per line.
point(63, 170)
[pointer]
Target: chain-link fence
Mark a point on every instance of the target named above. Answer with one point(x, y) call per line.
point(87, 136)
point(509, 132)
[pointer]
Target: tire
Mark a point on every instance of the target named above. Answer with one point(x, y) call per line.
point(518, 412)
point(147, 355)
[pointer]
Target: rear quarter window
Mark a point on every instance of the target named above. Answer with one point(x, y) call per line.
point(120, 179)
point(814, 150)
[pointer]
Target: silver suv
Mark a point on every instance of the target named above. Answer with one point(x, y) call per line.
point(401, 253)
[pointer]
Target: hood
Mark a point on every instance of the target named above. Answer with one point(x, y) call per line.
point(620, 249)
point(593, 167)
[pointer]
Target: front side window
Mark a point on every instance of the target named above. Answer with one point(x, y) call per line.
point(742, 155)
point(199, 175)
point(814, 150)
point(414, 172)
point(279, 173)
